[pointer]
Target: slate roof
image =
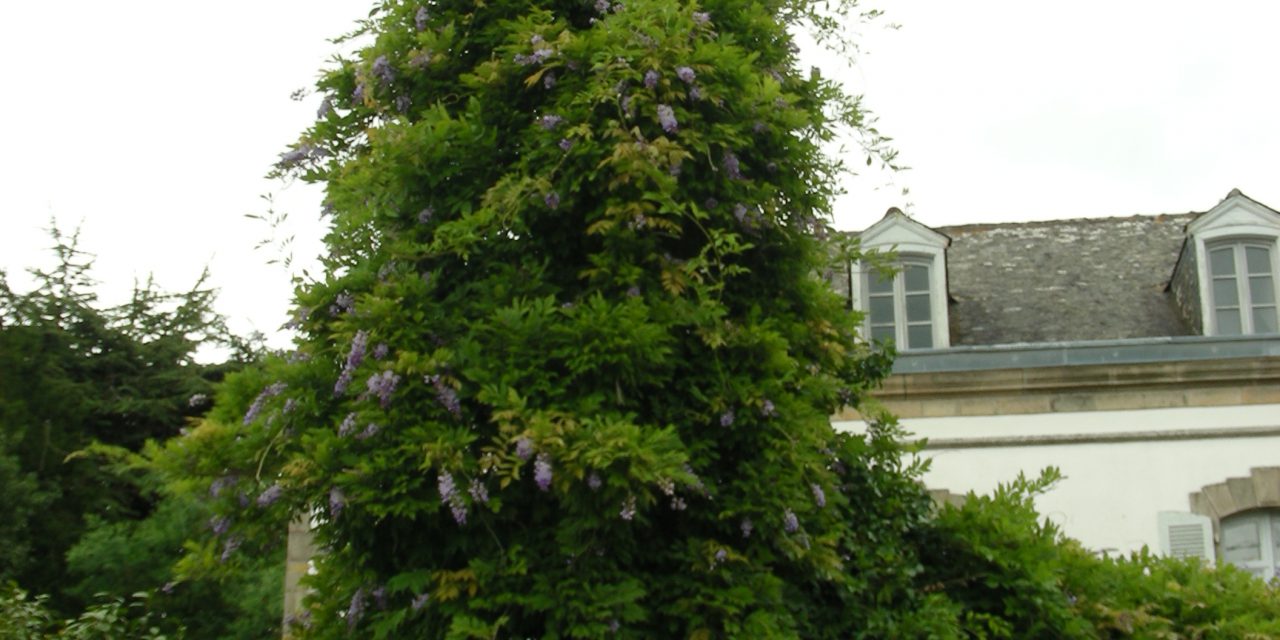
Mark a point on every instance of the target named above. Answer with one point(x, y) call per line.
point(1064, 280)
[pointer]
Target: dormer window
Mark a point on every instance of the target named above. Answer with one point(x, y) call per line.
point(1235, 251)
point(900, 307)
point(907, 305)
point(1243, 288)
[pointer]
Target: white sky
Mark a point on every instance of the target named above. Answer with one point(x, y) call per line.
point(150, 123)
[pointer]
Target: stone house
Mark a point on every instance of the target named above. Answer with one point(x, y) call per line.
point(1139, 355)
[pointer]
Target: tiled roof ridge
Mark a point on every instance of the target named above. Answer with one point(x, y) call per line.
point(985, 226)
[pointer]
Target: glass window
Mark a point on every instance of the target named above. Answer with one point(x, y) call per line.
point(1251, 541)
point(899, 307)
point(1243, 288)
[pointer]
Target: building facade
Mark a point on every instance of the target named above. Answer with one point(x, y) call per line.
point(1139, 355)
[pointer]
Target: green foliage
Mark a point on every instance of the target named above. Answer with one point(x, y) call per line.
point(1005, 573)
point(26, 618)
point(72, 373)
point(83, 517)
point(569, 369)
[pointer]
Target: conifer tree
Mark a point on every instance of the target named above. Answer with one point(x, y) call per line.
point(569, 369)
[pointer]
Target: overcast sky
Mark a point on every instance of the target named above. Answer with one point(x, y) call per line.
point(151, 123)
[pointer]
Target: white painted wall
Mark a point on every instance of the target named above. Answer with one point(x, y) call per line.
point(1112, 491)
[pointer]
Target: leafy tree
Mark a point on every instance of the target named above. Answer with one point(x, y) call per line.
point(72, 373)
point(569, 368)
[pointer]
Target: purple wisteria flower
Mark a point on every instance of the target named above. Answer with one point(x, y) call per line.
point(271, 391)
point(726, 418)
point(403, 103)
point(731, 165)
point(197, 400)
point(380, 351)
point(380, 597)
point(343, 303)
point(701, 18)
point(721, 555)
point(819, 496)
point(348, 425)
point(552, 200)
point(425, 215)
point(369, 431)
point(359, 344)
point(445, 395)
point(270, 495)
point(695, 93)
point(678, 504)
point(420, 601)
point(357, 94)
point(633, 291)
point(220, 484)
point(602, 6)
point(219, 525)
point(767, 409)
point(789, 521)
point(538, 56)
point(550, 121)
point(524, 448)
point(355, 610)
point(628, 511)
point(229, 547)
point(740, 212)
point(479, 492)
point(420, 19)
point(326, 108)
point(594, 481)
point(747, 527)
point(383, 71)
point(686, 74)
point(289, 405)
point(382, 385)
point(337, 502)
point(651, 79)
point(295, 156)
point(449, 495)
point(549, 81)
point(542, 471)
point(667, 117)
point(565, 144)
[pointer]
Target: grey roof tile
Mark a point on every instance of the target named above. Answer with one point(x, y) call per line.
point(1064, 280)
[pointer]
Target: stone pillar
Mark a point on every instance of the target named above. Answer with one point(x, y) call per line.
point(299, 551)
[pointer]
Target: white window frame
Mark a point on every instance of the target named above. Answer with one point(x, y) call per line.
point(912, 242)
point(1268, 563)
point(1244, 297)
point(1237, 219)
point(901, 323)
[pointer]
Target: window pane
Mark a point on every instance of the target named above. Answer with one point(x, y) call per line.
point(1222, 261)
point(1261, 290)
point(918, 307)
point(1264, 320)
point(1228, 322)
point(917, 276)
point(1225, 294)
point(882, 334)
point(1275, 536)
point(920, 336)
point(1258, 259)
point(1240, 540)
point(876, 284)
point(881, 309)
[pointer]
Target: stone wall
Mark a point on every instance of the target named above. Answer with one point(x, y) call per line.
point(1185, 287)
